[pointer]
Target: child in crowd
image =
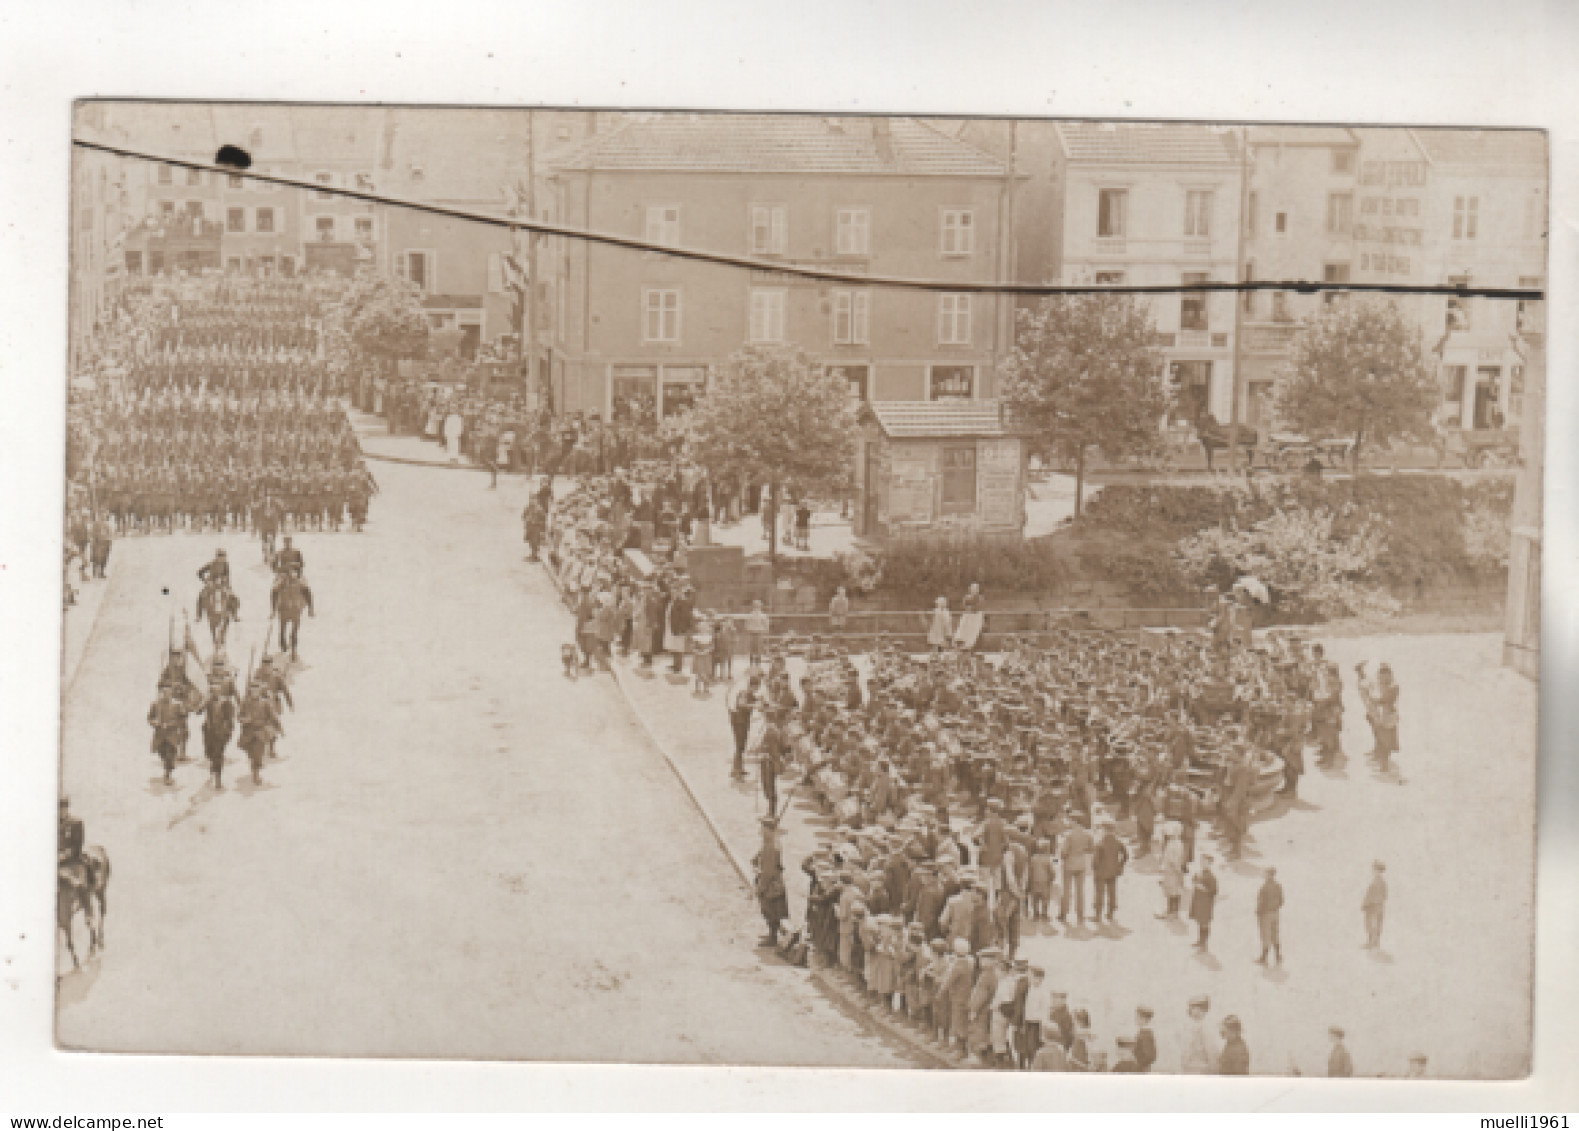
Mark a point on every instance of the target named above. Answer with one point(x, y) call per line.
point(702, 653)
point(757, 626)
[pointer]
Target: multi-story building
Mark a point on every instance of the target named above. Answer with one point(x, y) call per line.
point(640, 331)
point(106, 202)
point(1299, 223)
point(1158, 204)
point(475, 159)
point(261, 222)
point(1483, 215)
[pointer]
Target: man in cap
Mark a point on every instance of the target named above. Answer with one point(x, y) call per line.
point(1269, 909)
point(1108, 858)
point(961, 979)
point(1198, 1052)
point(217, 571)
point(772, 898)
point(1145, 1039)
point(168, 719)
point(1203, 901)
point(981, 1000)
point(1234, 1059)
point(1339, 1062)
point(1374, 906)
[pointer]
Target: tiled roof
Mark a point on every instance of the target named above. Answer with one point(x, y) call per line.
point(1301, 135)
point(1484, 147)
point(1132, 144)
point(921, 420)
point(778, 143)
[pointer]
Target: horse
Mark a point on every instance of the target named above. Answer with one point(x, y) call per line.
point(220, 606)
point(291, 599)
point(83, 883)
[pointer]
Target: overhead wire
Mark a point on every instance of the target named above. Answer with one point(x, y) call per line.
point(818, 274)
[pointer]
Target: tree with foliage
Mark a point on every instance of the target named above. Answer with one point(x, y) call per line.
point(776, 415)
point(378, 319)
point(1358, 369)
point(1303, 556)
point(1084, 374)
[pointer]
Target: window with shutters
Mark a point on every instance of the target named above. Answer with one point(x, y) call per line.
point(166, 175)
point(1112, 213)
point(769, 235)
point(1343, 160)
point(853, 231)
point(324, 227)
point(264, 220)
point(959, 231)
point(167, 210)
point(235, 219)
point(767, 315)
point(959, 480)
point(953, 320)
point(661, 315)
point(416, 266)
point(1198, 213)
point(850, 319)
point(1466, 217)
point(235, 181)
point(663, 224)
point(363, 226)
point(194, 176)
point(1340, 213)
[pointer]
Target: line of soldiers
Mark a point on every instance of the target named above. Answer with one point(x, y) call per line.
point(258, 711)
point(234, 371)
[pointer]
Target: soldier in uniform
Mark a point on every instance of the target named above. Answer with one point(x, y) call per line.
point(219, 719)
point(268, 517)
point(70, 835)
point(260, 725)
point(168, 718)
point(362, 487)
point(216, 572)
point(288, 559)
point(100, 546)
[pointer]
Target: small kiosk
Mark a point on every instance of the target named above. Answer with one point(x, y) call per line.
point(939, 469)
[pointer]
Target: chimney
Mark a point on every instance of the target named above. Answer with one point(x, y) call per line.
point(883, 140)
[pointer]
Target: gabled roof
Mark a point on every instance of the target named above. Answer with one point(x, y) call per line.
point(778, 143)
point(464, 155)
point(1301, 135)
point(1483, 147)
point(1126, 143)
point(926, 420)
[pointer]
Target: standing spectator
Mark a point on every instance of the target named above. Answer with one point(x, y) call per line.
point(1039, 884)
point(1203, 901)
point(1034, 1011)
point(803, 525)
point(1339, 1063)
point(1107, 865)
point(1075, 859)
point(1269, 906)
point(940, 626)
point(1234, 1060)
point(757, 626)
point(1374, 906)
point(838, 610)
point(740, 705)
point(1145, 1039)
point(724, 648)
point(1172, 869)
point(679, 622)
point(1197, 1050)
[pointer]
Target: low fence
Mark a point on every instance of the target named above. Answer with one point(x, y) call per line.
point(909, 628)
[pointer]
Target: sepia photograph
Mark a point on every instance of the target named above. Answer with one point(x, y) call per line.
point(1016, 594)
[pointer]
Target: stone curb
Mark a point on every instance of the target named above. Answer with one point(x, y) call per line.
point(924, 1051)
point(652, 734)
